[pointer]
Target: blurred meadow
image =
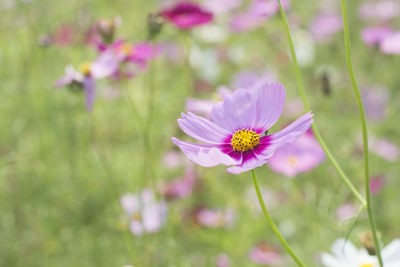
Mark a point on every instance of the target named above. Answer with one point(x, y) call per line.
point(64, 169)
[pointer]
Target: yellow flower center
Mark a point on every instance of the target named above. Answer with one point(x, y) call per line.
point(85, 68)
point(245, 140)
point(366, 265)
point(136, 216)
point(292, 161)
point(126, 49)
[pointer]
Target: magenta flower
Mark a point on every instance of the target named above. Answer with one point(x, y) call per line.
point(374, 35)
point(238, 135)
point(303, 155)
point(391, 44)
point(265, 254)
point(104, 66)
point(187, 15)
point(324, 26)
point(144, 213)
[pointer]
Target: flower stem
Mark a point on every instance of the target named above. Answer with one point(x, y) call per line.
point(317, 134)
point(272, 224)
point(363, 126)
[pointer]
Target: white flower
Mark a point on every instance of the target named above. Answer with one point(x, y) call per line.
point(145, 214)
point(345, 254)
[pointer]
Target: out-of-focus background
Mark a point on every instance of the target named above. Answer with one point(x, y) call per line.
point(64, 170)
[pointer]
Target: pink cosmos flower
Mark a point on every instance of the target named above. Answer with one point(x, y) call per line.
point(384, 148)
point(303, 155)
point(221, 6)
point(63, 36)
point(223, 260)
point(265, 254)
point(375, 100)
point(187, 15)
point(379, 10)
point(346, 211)
point(173, 159)
point(256, 14)
point(204, 106)
point(144, 213)
point(183, 187)
point(248, 78)
point(326, 25)
point(376, 184)
point(374, 35)
point(139, 53)
point(103, 66)
point(215, 218)
point(391, 44)
point(238, 135)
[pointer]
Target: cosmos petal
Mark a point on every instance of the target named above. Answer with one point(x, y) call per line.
point(204, 155)
point(202, 129)
point(89, 87)
point(269, 101)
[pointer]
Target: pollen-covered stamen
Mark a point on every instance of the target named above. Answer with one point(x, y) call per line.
point(244, 140)
point(85, 68)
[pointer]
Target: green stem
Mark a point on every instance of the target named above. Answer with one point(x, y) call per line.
point(363, 126)
point(272, 224)
point(148, 171)
point(317, 134)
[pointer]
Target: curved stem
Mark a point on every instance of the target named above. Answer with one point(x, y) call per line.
point(317, 134)
point(272, 224)
point(363, 126)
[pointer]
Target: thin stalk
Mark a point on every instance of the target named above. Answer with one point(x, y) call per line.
point(317, 134)
point(272, 224)
point(363, 126)
point(148, 170)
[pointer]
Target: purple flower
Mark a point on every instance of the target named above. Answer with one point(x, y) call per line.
point(215, 218)
point(303, 155)
point(379, 10)
point(265, 254)
point(183, 187)
point(391, 44)
point(144, 213)
point(374, 35)
point(103, 66)
point(324, 26)
point(187, 15)
point(238, 135)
